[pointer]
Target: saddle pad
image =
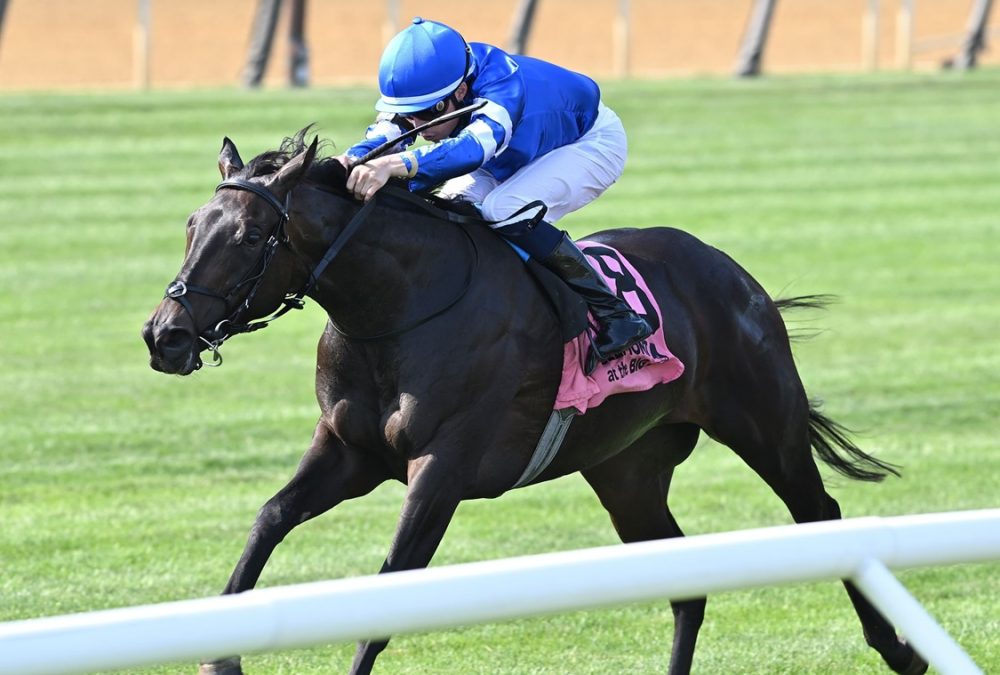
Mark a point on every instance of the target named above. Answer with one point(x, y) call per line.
point(643, 366)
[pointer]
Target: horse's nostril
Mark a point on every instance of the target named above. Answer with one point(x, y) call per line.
point(174, 341)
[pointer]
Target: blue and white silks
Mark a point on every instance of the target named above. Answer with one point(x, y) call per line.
point(532, 107)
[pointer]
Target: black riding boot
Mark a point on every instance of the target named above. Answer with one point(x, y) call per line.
point(620, 327)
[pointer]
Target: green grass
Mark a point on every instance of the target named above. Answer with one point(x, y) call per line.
point(120, 486)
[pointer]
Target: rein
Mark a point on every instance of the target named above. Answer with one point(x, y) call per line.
point(178, 290)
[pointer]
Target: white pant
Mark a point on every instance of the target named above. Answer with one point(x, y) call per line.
point(566, 178)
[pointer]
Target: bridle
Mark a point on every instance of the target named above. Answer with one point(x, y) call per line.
point(178, 290)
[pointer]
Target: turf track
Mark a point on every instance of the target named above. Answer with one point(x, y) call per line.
point(121, 486)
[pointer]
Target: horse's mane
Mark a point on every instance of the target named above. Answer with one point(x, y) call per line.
point(330, 174)
point(325, 171)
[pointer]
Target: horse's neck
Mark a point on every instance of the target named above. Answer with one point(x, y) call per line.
point(396, 267)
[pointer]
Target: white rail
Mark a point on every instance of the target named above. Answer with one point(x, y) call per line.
point(443, 597)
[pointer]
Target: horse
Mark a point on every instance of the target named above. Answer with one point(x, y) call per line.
point(440, 361)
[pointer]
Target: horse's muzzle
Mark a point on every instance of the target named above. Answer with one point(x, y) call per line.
point(173, 348)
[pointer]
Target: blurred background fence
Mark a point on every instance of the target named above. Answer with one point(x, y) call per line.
point(53, 44)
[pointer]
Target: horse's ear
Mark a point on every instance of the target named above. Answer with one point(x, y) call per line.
point(229, 159)
point(290, 173)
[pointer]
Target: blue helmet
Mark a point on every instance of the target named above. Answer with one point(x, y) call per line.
point(422, 65)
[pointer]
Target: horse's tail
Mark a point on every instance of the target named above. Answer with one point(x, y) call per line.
point(831, 443)
point(817, 301)
point(830, 439)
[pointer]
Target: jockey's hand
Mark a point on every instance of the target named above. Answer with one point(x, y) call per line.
point(367, 179)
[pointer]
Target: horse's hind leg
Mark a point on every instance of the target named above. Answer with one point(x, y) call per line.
point(632, 487)
point(329, 473)
point(775, 440)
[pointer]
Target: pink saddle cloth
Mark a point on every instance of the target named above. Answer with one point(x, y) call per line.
point(642, 367)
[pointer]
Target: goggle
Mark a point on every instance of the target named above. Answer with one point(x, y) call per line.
point(435, 111)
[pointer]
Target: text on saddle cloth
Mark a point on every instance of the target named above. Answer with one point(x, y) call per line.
point(642, 367)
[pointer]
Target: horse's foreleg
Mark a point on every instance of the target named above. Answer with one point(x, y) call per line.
point(329, 473)
point(632, 487)
point(431, 499)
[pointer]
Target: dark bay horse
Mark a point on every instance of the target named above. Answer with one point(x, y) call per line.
point(441, 374)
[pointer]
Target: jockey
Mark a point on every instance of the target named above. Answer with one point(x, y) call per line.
point(543, 134)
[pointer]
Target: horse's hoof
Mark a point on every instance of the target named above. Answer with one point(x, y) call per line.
point(916, 664)
point(230, 666)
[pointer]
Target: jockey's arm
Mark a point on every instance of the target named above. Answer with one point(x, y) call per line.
point(474, 145)
point(429, 165)
point(448, 158)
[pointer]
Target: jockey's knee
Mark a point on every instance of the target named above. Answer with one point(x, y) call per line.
point(498, 206)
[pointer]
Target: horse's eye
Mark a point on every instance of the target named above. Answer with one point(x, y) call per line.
point(252, 237)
